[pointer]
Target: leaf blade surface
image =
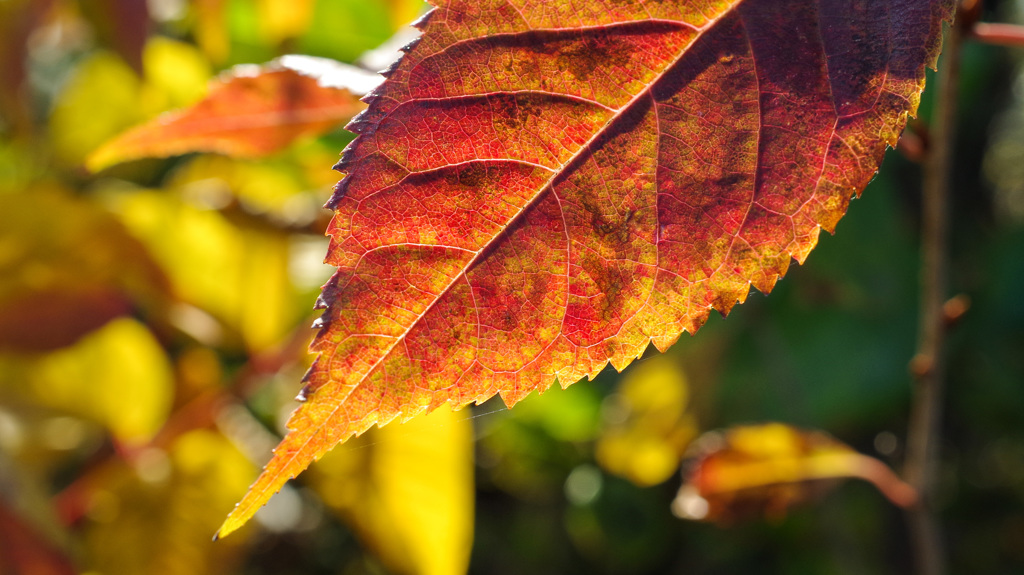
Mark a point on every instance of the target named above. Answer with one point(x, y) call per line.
point(251, 111)
point(541, 188)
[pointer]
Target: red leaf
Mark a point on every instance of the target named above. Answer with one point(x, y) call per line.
point(250, 112)
point(543, 187)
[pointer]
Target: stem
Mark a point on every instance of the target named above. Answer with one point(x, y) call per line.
point(928, 364)
point(998, 34)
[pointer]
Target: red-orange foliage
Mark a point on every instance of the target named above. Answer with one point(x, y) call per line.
point(545, 186)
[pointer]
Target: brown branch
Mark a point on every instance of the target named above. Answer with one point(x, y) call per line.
point(928, 364)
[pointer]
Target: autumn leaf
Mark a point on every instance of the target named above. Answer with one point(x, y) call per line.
point(767, 468)
point(646, 427)
point(78, 275)
point(542, 188)
point(251, 111)
point(408, 492)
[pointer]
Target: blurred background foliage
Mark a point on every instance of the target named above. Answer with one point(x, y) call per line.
point(153, 320)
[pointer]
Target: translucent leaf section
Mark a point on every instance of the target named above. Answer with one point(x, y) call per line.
point(545, 186)
point(251, 111)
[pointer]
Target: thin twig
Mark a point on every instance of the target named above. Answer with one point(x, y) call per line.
point(927, 366)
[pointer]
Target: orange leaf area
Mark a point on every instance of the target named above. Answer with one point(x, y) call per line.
point(749, 470)
point(252, 111)
point(543, 187)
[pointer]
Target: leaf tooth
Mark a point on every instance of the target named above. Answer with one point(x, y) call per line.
point(408, 47)
point(421, 22)
point(361, 122)
point(387, 72)
point(369, 99)
point(340, 189)
point(321, 302)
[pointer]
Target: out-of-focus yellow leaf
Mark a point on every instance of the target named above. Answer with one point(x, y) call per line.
point(118, 376)
point(100, 101)
point(238, 274)
point(262, 188)
point(210, 29)
point(765, 469)
point(66, 268)
point(105, 96)
point(177, 74)
point(647, 428)
point(403, 12)
point(408, 492)
point(284, 19)
point(156, 516)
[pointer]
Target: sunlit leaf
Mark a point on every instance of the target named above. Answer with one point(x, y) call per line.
point(210, 29)
point(537, 192)
point(250, 112)
point(238, 274)
point(154, 516)
point(105, 96)
point(765, 469)
point(176, 74)
point(647, 427)
point(408, 492)
point(118, 376)
point(59, 282)
point(100, 100)
point(284, 19)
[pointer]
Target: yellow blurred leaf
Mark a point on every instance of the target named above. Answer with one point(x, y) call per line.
point(66, 268)
point(284, 19)
point(408, 492)
point(118, 376)
point(403, 12)
point(104, 96)
point(240, 275)
point(100, 101)
point(647, 428)
point(211, 30)
point(765, 469)
point(261, 187)
point(156, 515)
point(177, 75)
